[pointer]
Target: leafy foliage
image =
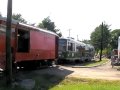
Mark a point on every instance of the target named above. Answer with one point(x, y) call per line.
point(87, 41)
point(100, 35)
point(60, 34)
point(114, 38)
point(19, 18)
point(49, 25)
point(41, 25)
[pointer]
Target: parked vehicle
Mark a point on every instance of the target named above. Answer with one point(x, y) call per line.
point(30, 46)
point(89, 52)
point(115, 56)
point(72, 50)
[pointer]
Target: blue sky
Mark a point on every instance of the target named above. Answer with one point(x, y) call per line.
point(81, 16)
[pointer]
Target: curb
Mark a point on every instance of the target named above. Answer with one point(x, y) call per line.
point(90, 66)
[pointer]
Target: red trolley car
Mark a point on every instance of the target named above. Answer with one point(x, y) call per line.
point(30, 46)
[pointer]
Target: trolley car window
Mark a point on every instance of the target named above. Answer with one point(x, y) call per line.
point(23, 40)
point(71, 46)
point(62, 44)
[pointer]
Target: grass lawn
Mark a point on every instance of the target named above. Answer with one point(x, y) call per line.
point(95, 62)
point(87, 84)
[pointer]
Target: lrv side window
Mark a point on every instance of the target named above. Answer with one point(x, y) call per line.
point(23, 43)
point(71, 46)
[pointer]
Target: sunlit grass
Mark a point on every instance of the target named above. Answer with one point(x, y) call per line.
point(96, 62)
point(87, 84)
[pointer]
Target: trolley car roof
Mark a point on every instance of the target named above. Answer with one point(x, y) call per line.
point(43, 30)
point(75, 41)
point(29, 26)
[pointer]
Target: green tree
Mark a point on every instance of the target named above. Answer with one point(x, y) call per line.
point(59, 34)
point(86, 41)
point(49, 25)
point(97, 35)
point(40, 25)
point(19, 18)
point(114, 38)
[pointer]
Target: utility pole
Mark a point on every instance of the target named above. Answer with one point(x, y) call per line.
point(77, 38)
point(69, 32)
point(8, 44)
point(101, 46)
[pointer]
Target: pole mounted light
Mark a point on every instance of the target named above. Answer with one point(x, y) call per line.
point(8, 44)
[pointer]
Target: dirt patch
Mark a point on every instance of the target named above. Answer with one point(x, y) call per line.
point(101, 72)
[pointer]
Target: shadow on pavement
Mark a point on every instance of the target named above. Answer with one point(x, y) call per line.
point(45, 78)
